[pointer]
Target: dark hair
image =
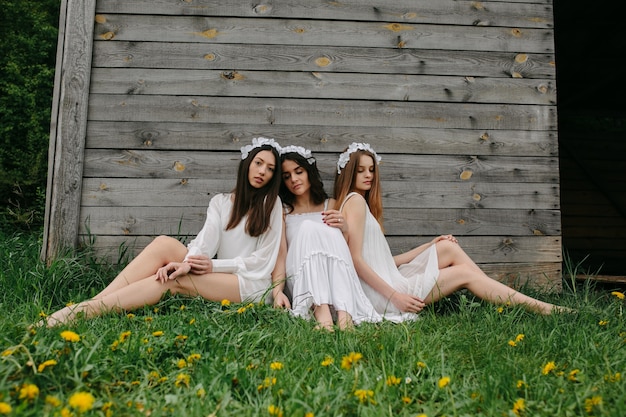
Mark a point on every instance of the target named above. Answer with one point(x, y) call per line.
point(256, 203)
point(318, 194)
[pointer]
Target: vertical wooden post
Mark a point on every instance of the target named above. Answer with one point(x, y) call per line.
point(68, 126)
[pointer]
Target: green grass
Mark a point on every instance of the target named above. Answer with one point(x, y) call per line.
point(252, 360)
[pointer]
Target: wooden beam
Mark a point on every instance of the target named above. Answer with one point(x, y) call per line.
point(68, 126)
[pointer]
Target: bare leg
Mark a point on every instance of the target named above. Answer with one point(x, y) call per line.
point(148, 291)
point(344, 320)
point(458, 271)
point(161, 251)
point(323, 317)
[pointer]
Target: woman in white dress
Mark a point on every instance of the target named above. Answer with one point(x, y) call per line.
point(401, 286)
point(243, 229)
point(320, 275)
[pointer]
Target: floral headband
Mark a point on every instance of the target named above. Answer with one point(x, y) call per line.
point(257, 143)
point(355, 146)
point(305, 153)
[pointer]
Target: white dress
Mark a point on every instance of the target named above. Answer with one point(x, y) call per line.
point(251, 259)
point(320, 269)
point(417, 277)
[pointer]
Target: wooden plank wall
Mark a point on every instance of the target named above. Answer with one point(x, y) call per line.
point(459, 98)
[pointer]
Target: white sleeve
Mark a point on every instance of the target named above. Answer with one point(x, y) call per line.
point(208, 240)
point(260, 263)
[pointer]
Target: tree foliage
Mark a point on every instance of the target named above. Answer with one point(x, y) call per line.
point(27, 57)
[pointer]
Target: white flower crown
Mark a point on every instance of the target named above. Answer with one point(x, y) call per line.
point(305, 153)
point(258, 142)
point(355, 146)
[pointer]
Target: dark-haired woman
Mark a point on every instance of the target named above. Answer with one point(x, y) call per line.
point(242, 231)
point(320, 275)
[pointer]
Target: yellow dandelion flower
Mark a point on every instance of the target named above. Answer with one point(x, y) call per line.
point(29, 392)
point(421, 365)
point(65, 412)
point(148, 319)
point(53, 401)
point(130, 316)
point(200, 393)
point(499, 310)
point(613, 377)
point(5, 408)
point(348, 361)
point(135, 383)
point(42, 314)
point(107, 409)
point(225, 303)
point(115, 344)
point(124, 336)
point(181, 337)
point(70, 336)
point(309, 414)
point(276, 366)
point(182, 379)
point(512, 343)
point(406, 400)
point(590, 403)
point(7, 352)
point(603, 323)
point(519, 337)
point(192, 321)
point(158, 333)
point(241, 310)
point(518, 406)
point(155, 309)
point(44, 365)
point(548, 367)
point(274, 410)
point(194, 357)
point(153, 375)
point(162, 379)
point(81, 401)
point(443, 382)
point(393, 380)
point(421, 415)
point(327, 361)
point(181, 363)
point(618, 294)
point(572, 375)
point(364, 395)
point(520, 384)
point(182, 307)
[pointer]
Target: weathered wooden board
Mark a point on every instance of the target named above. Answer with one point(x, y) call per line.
point(186, 192)
point(148, 220)
point(519, 13)
point(322, 85)
point(228, 30)
point(411, 140)
point(328, 59)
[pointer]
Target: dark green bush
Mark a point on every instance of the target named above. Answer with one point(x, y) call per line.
point(27, 57)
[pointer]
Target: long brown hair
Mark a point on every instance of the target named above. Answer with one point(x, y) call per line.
point(318, 194)
point(257, 204)
point(345, 180)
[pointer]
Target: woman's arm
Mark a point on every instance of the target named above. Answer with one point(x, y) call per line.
point(279, 274)
point(354, 212)
point(405, 258)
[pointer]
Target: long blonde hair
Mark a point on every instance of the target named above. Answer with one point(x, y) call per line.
point(346, 178)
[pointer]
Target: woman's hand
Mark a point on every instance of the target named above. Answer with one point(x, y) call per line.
point(281, 300)
point(200, 264)
point(407, 303)
point(172, 270)
point(445, 237)
point(335, 219)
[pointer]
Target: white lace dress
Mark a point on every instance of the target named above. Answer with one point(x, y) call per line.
point(320, 269)
point(417, 277)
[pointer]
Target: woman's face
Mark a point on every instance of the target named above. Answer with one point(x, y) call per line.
point(364, 174)
point(296, 178)
point(262, 169)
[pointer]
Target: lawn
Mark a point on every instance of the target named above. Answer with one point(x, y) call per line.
point(189, 357)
